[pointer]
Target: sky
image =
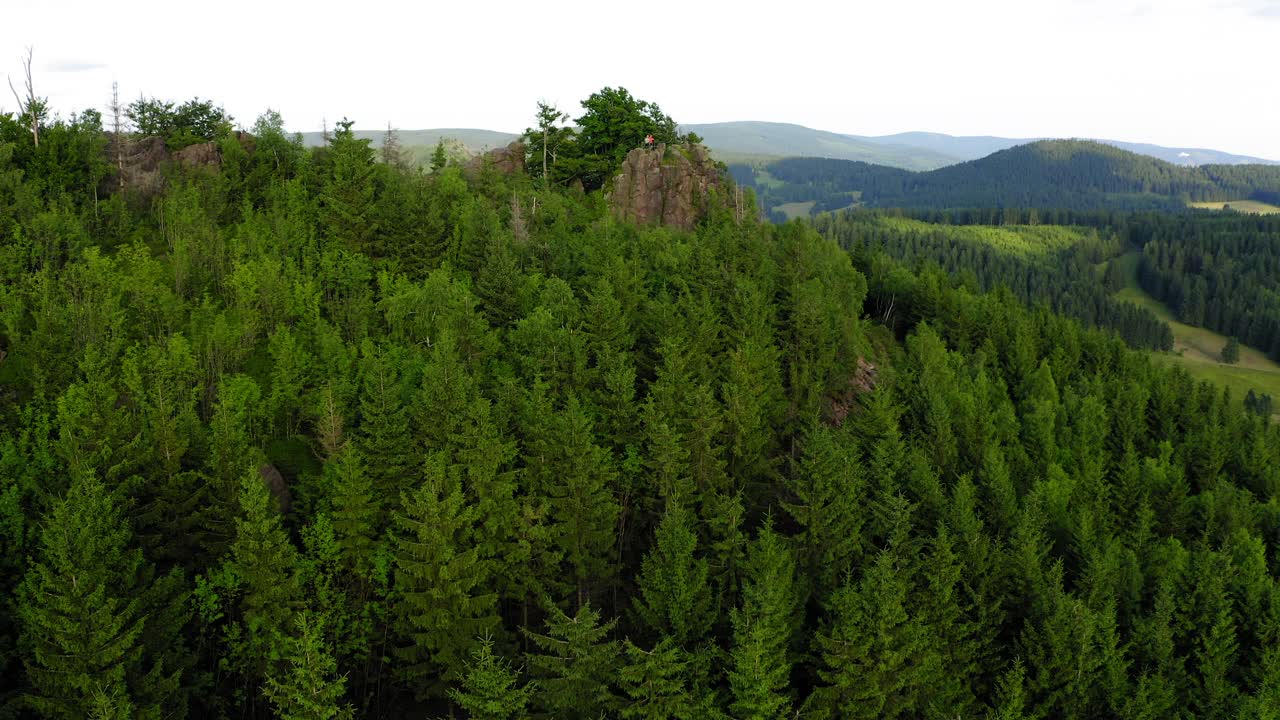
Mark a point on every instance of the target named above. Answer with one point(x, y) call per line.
point(1189, 73)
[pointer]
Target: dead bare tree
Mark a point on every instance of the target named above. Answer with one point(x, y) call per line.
point(31, 106)
point(117, 131)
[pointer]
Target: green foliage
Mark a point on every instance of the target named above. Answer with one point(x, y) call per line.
point(347, 198)
point(575, 665)
point(194, 121)
point(765, 630)
point(306, 688)
point(1231, 351)
point(742, 471)
point(442, 596)
point(488, 690)
point(656, 683)
point(675, 600)
point(84, 610)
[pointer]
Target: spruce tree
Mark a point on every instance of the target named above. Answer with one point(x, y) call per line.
point(442, 597)
point(828, 494)
point(264, 563)
point(354, 509)
point(83, 610)
point(873, 649)
point(583, 510)
point(674, 599)
point(1231, 351)
point(489, 689)
point(764, 630)
point(347, 198)
point(384, 437)
point(574, 665)
point(305, 687)
point(656, 683)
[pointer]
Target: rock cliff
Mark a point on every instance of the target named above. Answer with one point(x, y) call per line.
point(669, 186)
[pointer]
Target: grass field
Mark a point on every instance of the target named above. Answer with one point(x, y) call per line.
point(1245, 206)
point(795, 210)
point(1197, 350)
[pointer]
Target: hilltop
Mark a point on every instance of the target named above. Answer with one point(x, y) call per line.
point(1074, 174)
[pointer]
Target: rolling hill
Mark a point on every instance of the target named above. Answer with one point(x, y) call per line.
point(1067, 174)
point(474, 140)
point(771, 139)
point(760, 143)
point(978, 146)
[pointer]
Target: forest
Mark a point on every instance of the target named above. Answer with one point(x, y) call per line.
point(1041, 264)
point(1072, 175)
point(307, 433)
point(1217, 271)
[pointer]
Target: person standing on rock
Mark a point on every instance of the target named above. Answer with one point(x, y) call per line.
point(648, 142)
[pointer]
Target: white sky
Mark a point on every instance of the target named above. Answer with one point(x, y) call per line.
point(1197, 73)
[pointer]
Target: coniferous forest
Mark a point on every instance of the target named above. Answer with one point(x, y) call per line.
point(310, 433)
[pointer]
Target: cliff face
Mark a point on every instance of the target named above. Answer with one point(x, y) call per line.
point(667, 186)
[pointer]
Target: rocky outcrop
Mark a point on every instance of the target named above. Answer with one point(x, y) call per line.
point(507, 160)
point(141, 161)
point(665, 185)
point(204, 154)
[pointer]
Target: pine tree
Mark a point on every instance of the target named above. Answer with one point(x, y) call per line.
point(576, 664)
point(489, 689)
point(441, 587)
point(305, 687)
point(764, 630)
point(83, 610)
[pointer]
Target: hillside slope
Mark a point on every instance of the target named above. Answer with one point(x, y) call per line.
point(1069, 174)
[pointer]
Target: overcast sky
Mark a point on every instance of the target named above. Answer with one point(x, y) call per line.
point(1198, 73)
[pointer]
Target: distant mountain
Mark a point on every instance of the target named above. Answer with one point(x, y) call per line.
point(977, 146)
point(778, 140)
point(962, 148)
point(761, 142)
point(473, 139)
point(1066, 174)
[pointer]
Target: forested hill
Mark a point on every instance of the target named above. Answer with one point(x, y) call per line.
point(301, 433)
point(1073, 174)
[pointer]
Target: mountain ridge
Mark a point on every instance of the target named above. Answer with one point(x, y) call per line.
point(765, 140)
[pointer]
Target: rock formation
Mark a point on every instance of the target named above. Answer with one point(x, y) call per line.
point(507, 160)
point(668, 186)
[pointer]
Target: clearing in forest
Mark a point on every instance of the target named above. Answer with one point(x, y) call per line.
point(1198, 350)
point(1244, 206)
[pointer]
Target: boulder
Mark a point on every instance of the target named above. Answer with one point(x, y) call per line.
point(668, 186)
point(275, 482)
